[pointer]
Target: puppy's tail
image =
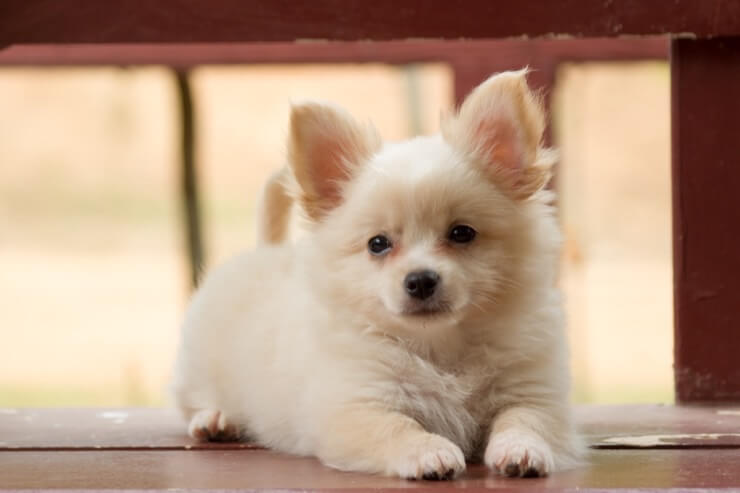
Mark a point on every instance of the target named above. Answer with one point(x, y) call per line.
point(274, 209)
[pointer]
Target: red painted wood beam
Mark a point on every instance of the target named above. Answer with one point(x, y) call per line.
point(168, 21)
point(508, 53)
point(706, 217)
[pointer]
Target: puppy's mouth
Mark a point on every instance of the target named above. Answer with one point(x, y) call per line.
point(427, 310)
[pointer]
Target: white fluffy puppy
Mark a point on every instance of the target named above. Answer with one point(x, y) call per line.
point(417, 323)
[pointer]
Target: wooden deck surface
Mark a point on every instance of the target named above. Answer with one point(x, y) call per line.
point(634, 447)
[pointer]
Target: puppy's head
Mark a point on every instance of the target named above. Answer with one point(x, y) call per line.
point(418, 236)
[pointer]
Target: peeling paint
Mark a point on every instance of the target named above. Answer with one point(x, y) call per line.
point(669, 439)
point(685, 35)
point(311, 40)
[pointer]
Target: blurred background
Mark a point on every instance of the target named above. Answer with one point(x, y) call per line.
point(93, 271)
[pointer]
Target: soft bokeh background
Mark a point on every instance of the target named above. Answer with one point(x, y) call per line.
point(93, 278)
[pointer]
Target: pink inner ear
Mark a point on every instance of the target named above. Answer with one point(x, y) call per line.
point(329, 169)
point(499, 143)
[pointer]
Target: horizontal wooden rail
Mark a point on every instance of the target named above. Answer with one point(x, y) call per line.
point(169, 21)
point(185, 55)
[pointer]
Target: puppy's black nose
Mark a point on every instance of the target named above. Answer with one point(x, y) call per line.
point(421, 283)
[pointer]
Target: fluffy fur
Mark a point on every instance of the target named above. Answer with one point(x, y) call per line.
point(314, 347)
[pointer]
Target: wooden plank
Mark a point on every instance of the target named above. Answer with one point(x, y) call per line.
point(96, 429)
point(124, 21)
point(163, 429)
point(264, 470)
point(509, 53)
point(706, 218)
point(656, 426)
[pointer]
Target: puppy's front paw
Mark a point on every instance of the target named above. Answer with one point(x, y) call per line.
point(211, 425)
point(517, 453)
point(429, 457)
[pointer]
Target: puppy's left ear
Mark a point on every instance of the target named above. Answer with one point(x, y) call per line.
point(499, 127)
point(326, 147)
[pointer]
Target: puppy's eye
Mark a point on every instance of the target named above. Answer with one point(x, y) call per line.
point(379, 245)
point(462, 234)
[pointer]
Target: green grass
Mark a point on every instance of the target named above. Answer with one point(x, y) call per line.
point(624, 395)
point(73, 396)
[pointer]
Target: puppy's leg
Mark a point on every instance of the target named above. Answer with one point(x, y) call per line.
point(274, 209)
point(532, 441)
point(379, 441)
point(211, 425)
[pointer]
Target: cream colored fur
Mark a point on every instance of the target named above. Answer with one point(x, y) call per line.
point(311, 347)
point(274, 209)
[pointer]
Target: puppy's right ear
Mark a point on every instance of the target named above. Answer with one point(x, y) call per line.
point(326, 147)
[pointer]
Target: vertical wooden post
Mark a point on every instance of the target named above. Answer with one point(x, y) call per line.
point(188, 178)
point(705, 77)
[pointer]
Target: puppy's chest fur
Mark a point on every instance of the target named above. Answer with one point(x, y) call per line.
point(455, 401)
